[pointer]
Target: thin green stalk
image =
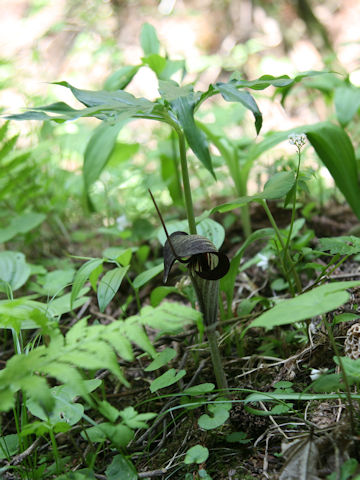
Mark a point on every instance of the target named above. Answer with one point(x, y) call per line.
point(55, 451)
point(293, 209)
point(350, 410)
point(217, 361)
point(186, 184)
point(288, 258)
point(176, 163)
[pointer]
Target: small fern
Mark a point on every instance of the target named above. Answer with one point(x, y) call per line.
point(89, 347)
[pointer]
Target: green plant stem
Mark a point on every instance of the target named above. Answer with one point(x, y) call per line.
point(186, 184)
point(293, 209)
point(55, 451)
point(288, 258)
point(176, 164)
point(350, 409)
point(217, 361)
point(207, 293)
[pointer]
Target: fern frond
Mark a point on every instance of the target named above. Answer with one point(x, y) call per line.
point(87, 347)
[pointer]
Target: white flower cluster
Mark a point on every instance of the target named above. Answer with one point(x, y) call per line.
point(298, 140)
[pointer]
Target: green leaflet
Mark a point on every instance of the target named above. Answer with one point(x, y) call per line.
point(184, 109)
point(166, 379)
point(197, 454)
point(231, 94)
point(14, 271)
point(317, 301)
point(335, 149)
point(149, 40)
point(347, 103)
point(109, 285)
point(82, 276)
point(98, 151)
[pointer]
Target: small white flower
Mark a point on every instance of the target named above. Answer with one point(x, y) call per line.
point(122, 223)
point(263, 263)
point(298, 140)
point(315, 373)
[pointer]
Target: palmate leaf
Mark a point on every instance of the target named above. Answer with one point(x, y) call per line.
point(89, 347)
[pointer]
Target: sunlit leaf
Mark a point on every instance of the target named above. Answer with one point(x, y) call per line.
point(149, 40)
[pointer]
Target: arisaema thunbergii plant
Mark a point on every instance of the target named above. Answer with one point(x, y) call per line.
point(206, 266)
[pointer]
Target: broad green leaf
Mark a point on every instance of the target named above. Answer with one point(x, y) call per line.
point(170, 90)
point(14, 270)
point(54, 282)
point(98, 151)
point(347, 103)
point(219, 415)
point(327, 383)
point(21, 224)
point(346, 245)
point(109, 285)
point(121, 468)
point(144, 277)
point(197, 454)
point(276, 187)
point(231, 94)
point(212, 230)
point(9, 445)
point(166, 379)
point(81, 277)
point(27, 221)
point(335, 149)
point(149, 40)
point(351, 367)
point(184, 109)
point(121, 78)
point(317, 301)
point(161, 359)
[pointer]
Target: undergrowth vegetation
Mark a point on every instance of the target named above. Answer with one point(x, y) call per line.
point(161, 315)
